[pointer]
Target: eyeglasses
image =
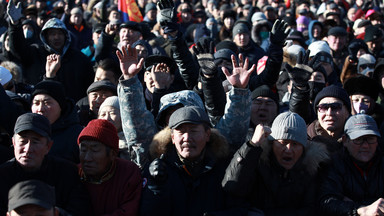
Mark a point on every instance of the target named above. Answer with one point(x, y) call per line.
point(322, 108)
point(368, 139)
point(363, 66)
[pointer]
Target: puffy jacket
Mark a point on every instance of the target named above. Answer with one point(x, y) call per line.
point(343, 181)
point(255, 176)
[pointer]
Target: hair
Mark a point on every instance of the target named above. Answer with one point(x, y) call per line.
point(15, 70)
point(110, 65)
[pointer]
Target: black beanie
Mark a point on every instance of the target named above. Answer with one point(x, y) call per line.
point(362, 85)
point(265, 91)
point(52, 88)
point(333, 91)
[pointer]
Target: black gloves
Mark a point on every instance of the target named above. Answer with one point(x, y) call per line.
point(353, 48)
point(279, 32)
point(158, 170)
point(167, 16)
point(204, 54)
point(302, 72)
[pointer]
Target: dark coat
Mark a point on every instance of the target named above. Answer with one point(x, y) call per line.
point(65, 131)
point(70, 193)
point(253, 51)
point(255, 176)
point(183, 194)
point(316, 133)
point(343, 180)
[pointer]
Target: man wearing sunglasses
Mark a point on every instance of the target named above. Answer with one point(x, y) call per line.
point(353, 184)
point(332, 107)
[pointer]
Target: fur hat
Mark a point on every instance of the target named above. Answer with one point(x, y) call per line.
point(362, 85)
point(102, 131)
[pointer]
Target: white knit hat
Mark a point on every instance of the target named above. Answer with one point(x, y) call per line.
point(5, 75)
point(112, 101)
point(291, 126)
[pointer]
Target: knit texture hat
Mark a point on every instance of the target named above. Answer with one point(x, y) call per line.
point(258, 16)
point(150, 6)
point(333, 91)
point(102, 131)
point(289, 125)
point(240, 28)
point(265, 91)
point(52, 88)
point(112, 101)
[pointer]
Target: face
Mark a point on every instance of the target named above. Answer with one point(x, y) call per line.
point(317, 77)
point(30, 149)
point(332, 120)
point(316, 31)
point(337, 43)
point(96, 98)
point(76, 19)
point(374, 46)
point(56, 39)
point(95, 159)
point(95, 37)
point(152, 14)
point(287, 152)
point(186, 17)
point(114, 15)
point(263, 110)
point(362, 148)
point(190, 140)
point(360, 103)
point(32, 210)
point(45, 105)
point(129, 36)
point(111, 114)
point(241, 40)
point(228, 22)
point(102, 74)
point(149, 81)
point(141, 52)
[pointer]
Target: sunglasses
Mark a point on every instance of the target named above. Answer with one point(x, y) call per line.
point(322, 108)
point(364, 66)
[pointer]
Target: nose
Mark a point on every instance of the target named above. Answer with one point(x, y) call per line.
point(186, 136)
point(288, 147)
point(87, 156)
point(27, 147)
point(40, 107)
point(328, 112)
point(107, 117)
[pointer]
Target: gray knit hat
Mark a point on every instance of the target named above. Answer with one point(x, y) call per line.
point(289, 125)
point(112, 101)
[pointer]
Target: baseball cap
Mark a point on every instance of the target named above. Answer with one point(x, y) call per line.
point(33, 122)
point(189, 114)
point(29, 192)
point(361, 125)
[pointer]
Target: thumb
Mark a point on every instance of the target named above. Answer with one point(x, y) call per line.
point(18, 5)
point(226, 72)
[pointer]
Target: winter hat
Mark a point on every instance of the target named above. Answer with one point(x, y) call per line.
point(189, 114)
point(318, 46)
point(226, 44)
point(144, 44)
point(333, 91)
point(102, 131)
point(230, 14)
point(297, 36)
point(258, 16)
point(372, 33)
point(76, 10)
point(302, 20)
point(366, 59)
point(295, 49)
point(240, 28)
point(52, 88)
point(150, 6)
point(337, 31)
point(102, 85)
point(265, 91)
point(289, 125)
point(224, 54)
point(362, 85)
point(112, 101)
point(5, 75)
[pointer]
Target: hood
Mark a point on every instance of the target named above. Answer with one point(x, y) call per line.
point(314, 154)
point(162, 144)
point(56, 24)
point(256, 30)
point(310, 28)
point(185, 98)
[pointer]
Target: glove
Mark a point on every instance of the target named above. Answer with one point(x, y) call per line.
point(158, 169)
point(204, 55)
point(279, 32)
point(353, 48)
point(301, 73)
point(13, 12)
point(167, 18)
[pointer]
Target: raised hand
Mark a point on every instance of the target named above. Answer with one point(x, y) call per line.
point(111, 29)
point(167, 16)
point(279, 32)
point(204, 54)
point(14, 12)
point(161, 76)
point(158, 169)
point(128, 61)
point(260, 135)
point(52, 65)
point(301, 73)
point(240, 73)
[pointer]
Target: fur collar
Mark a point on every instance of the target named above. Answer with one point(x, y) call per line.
point(314, 154)
point(162, 143)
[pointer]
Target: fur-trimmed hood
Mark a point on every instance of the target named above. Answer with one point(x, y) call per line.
point(314, 154)
point(162, 143)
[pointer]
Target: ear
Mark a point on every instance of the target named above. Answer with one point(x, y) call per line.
point(49, 144)
point(208, 134)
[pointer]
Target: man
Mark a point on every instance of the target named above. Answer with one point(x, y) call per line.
point(49, 100)
point(114, 184)
point(32, 142)
point(76, 71)
point(337, 40)
point(332, 107)
point(186, 178)
point(81, 33)
point(276, 170)
point(32, 197)
point(374, 39)
point(353, 184)
point(366, 65)
point(97, 92)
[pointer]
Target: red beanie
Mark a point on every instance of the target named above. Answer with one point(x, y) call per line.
point(102, 131)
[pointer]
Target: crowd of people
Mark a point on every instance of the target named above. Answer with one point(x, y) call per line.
point(205, 107)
